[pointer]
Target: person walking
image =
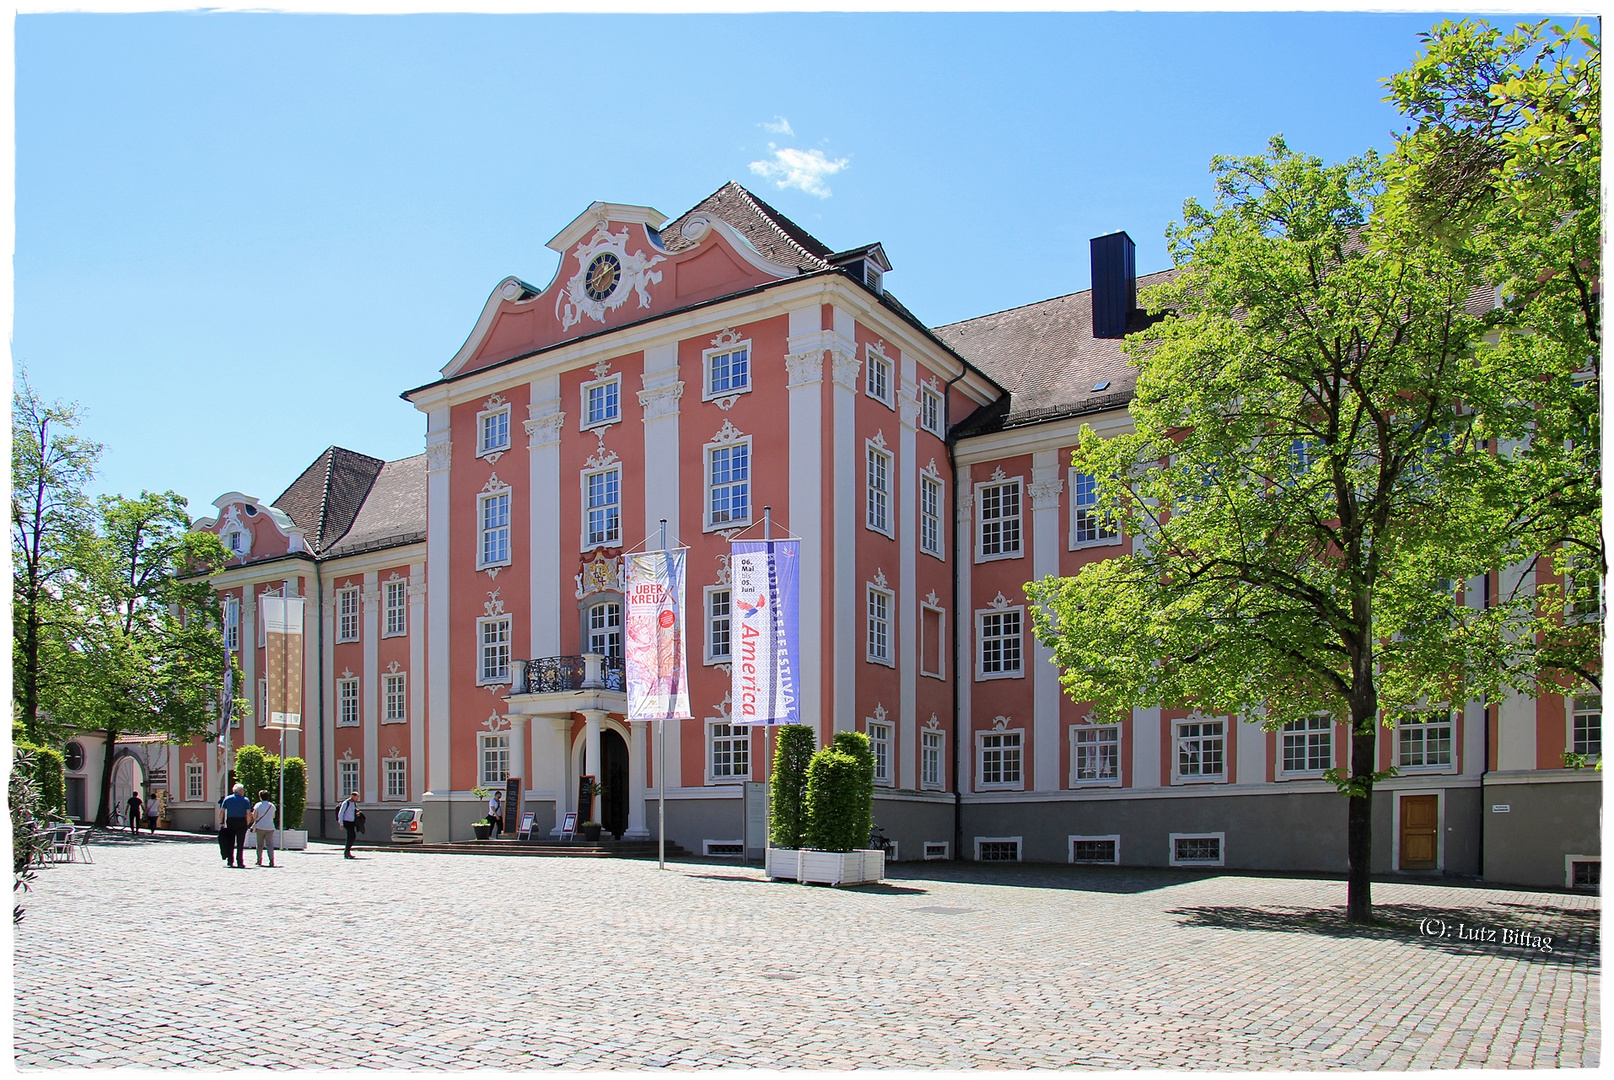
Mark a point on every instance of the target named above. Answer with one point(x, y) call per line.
point(496, 814)
point(347, 815)
point(134, 806)
point(154, 810)
point(236, 809)
point(263, 827)
point(222, 824)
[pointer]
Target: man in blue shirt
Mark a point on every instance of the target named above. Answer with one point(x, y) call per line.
point(236, 808)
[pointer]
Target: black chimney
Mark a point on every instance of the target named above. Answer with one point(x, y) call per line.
point(1115, 284)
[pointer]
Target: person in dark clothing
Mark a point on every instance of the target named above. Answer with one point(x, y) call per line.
point(347, 815)
point(224, 832)
point(236, 808)
point(136, 807)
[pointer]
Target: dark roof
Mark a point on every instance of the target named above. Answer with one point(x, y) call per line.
point(770, 232)
point(324, 501)
point(393, 512)
point(1046, 356)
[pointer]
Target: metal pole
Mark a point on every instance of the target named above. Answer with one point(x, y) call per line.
point(661, 765)
point(767, 731)
point(285, 707)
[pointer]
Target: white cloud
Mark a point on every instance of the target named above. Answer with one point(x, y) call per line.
point(778, 126)
point(804, 169)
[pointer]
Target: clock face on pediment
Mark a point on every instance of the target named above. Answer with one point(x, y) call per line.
point(604, 272)
point(607, 274)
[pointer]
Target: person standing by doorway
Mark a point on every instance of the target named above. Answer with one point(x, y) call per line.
point(135, 805)
point(154, 810)
point(496, 813)
point(263, 827)
point(236, 809)
point(347, 815)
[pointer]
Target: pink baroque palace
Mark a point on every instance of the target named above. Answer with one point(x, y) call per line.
point(464, 615)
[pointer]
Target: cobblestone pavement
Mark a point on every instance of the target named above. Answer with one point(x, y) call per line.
point(158, 956)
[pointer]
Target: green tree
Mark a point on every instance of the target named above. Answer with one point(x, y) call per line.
point(1310, 477)
point(50, 518)
point(147, 656)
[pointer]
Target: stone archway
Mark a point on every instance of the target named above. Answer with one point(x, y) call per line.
point(128, 774)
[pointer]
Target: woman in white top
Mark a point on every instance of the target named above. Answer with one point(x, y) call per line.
point(263, 827)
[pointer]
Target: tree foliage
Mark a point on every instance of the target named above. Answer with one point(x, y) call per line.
point(839, 798)
point(791, 756)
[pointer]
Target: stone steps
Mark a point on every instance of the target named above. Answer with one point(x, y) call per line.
point(604, 849)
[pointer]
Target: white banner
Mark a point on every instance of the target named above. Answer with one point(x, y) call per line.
point(653, 635)
point(283, 660)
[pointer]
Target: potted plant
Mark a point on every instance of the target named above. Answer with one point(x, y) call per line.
point(482, 830)
point(835, 817)
point(590, 831)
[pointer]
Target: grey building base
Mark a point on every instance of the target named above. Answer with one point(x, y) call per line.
point(1531, 841)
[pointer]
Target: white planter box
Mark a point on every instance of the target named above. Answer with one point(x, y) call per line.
point(825, 867)
point(285, 839)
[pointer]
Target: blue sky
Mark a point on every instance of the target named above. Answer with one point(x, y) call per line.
point(238, 237)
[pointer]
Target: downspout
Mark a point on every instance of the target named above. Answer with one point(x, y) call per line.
point(319, 690)
point(1485, 753)
point(952, 465)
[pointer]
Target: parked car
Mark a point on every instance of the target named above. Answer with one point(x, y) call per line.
point(407, 827)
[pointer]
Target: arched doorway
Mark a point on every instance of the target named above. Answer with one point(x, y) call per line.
point(127, 776)
point(614, 767)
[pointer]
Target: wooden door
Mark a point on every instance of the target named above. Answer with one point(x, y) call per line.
point(1420, 831)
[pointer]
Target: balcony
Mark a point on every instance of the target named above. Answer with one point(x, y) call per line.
point(551, 683)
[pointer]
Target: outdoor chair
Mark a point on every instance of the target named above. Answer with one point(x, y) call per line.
point(81, 843)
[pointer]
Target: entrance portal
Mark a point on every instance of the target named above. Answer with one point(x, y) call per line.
point(614, 770)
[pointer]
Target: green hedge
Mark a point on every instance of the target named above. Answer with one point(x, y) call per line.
point(791, 756)
point(839, 800)
point(50, 785)
point(256, 771)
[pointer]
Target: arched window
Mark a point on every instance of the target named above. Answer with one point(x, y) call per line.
point(605, 629)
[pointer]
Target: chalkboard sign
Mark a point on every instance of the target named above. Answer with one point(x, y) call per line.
point(526, 825)
point(512, 801)
point(585, 797)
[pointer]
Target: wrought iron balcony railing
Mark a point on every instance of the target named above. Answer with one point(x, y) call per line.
point(561, 674)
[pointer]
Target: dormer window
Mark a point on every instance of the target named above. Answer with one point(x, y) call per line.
point(872, 276)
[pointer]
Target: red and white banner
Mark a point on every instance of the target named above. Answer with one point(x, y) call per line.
point(653, 635)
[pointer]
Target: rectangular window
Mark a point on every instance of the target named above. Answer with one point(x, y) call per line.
point(1000, 758)
point(879, 377)
point(1087, 524)
point(879, 636)
point(493, 510)
point(1426, 743)
point(1308, 745)
point(263, 701)
point(494, 431)
point(731, 752)
point(392, 688)
point(494, 641)
point(717, 626)
point(394, 597)
point(932, 647)
point(1201, 750)
point(1095, 849)
point(930, 759)
point(877, 477)
point(602, 501)
point(347, 776)
point(347, 703)
point(605, 630)
point(1097, 754)
point(728, 372)
point(347, 614)
point(880, 747)
point(930, 411)
point(1196, 850)
point(728, 469)
point(999, 646)
point(232, 623)
point(1583, 590)
point(495, 758)
point(930, 515)
point(1000, 520)
point(396, 773)
point(602, 402)
point(193, 782)
point(1588, 733)
point(997, 848)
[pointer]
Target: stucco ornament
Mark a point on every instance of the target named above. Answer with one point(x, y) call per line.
point(574, 301)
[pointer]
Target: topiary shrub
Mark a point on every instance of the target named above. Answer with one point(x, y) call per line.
point(252, 771)
point(46, 768)
point(296, 793)
point(791, 757)
point(839, 802)
point(856, 744)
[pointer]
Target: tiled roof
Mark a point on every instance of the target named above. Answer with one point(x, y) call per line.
point(394, 510)
point(770, 232)
point(326, 498)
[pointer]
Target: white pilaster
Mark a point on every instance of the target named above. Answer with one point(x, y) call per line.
point(659, 399)
point(1252, 752)
point(1044, 490)
point(1146, 748)
point(964, 659)
point(370, 685)
point(247, 733)
point(636, 783)
point(327, 614)
point(308, 732)
point(438, 459)
point(907, 605)
point(560, 744)
point(543, 459)
point(846, 476)
point(591, 752)
point(804, 367)
point(418, 679)
point(518, 755)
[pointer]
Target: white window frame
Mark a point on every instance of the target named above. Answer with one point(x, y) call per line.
point(1017, 784)
point(981, 522)
point(232, 623)
point(483, 529)
point(878, 497)
point(349, 702)
point(395, 602)
point(347, 621)
point(609, 539)
point(1569, 867)
point(932, 407)
point(1221, 848)
point(349, 767)
point(483, 447)
point(263, 702)
point(195, 782)
point(709, 452)
point(584, 423)
point(589, 629)
point(927, 736)
point(1077, 508)
point(1177, 737)
point(710, 622)
point(1449, 766)
point(933, 542)
point(1284, 734)
point(708, 392)
point(1076, 780)
point(1018, 842)
point(483, 678)
point(395, 691)
point(1572, 710)
point(1575, 583)
point(873, 358)
point(881, 735)
point(981, 674)
point(885, 655)
point(941, 641)
point(391, 767)
point(497, 743)
point(1072, 841)
point(735, 735)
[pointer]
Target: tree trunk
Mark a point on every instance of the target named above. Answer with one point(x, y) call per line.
point(103, 815)
point(1359, 829)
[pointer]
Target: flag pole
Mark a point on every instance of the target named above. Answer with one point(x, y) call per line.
point(661, 764)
